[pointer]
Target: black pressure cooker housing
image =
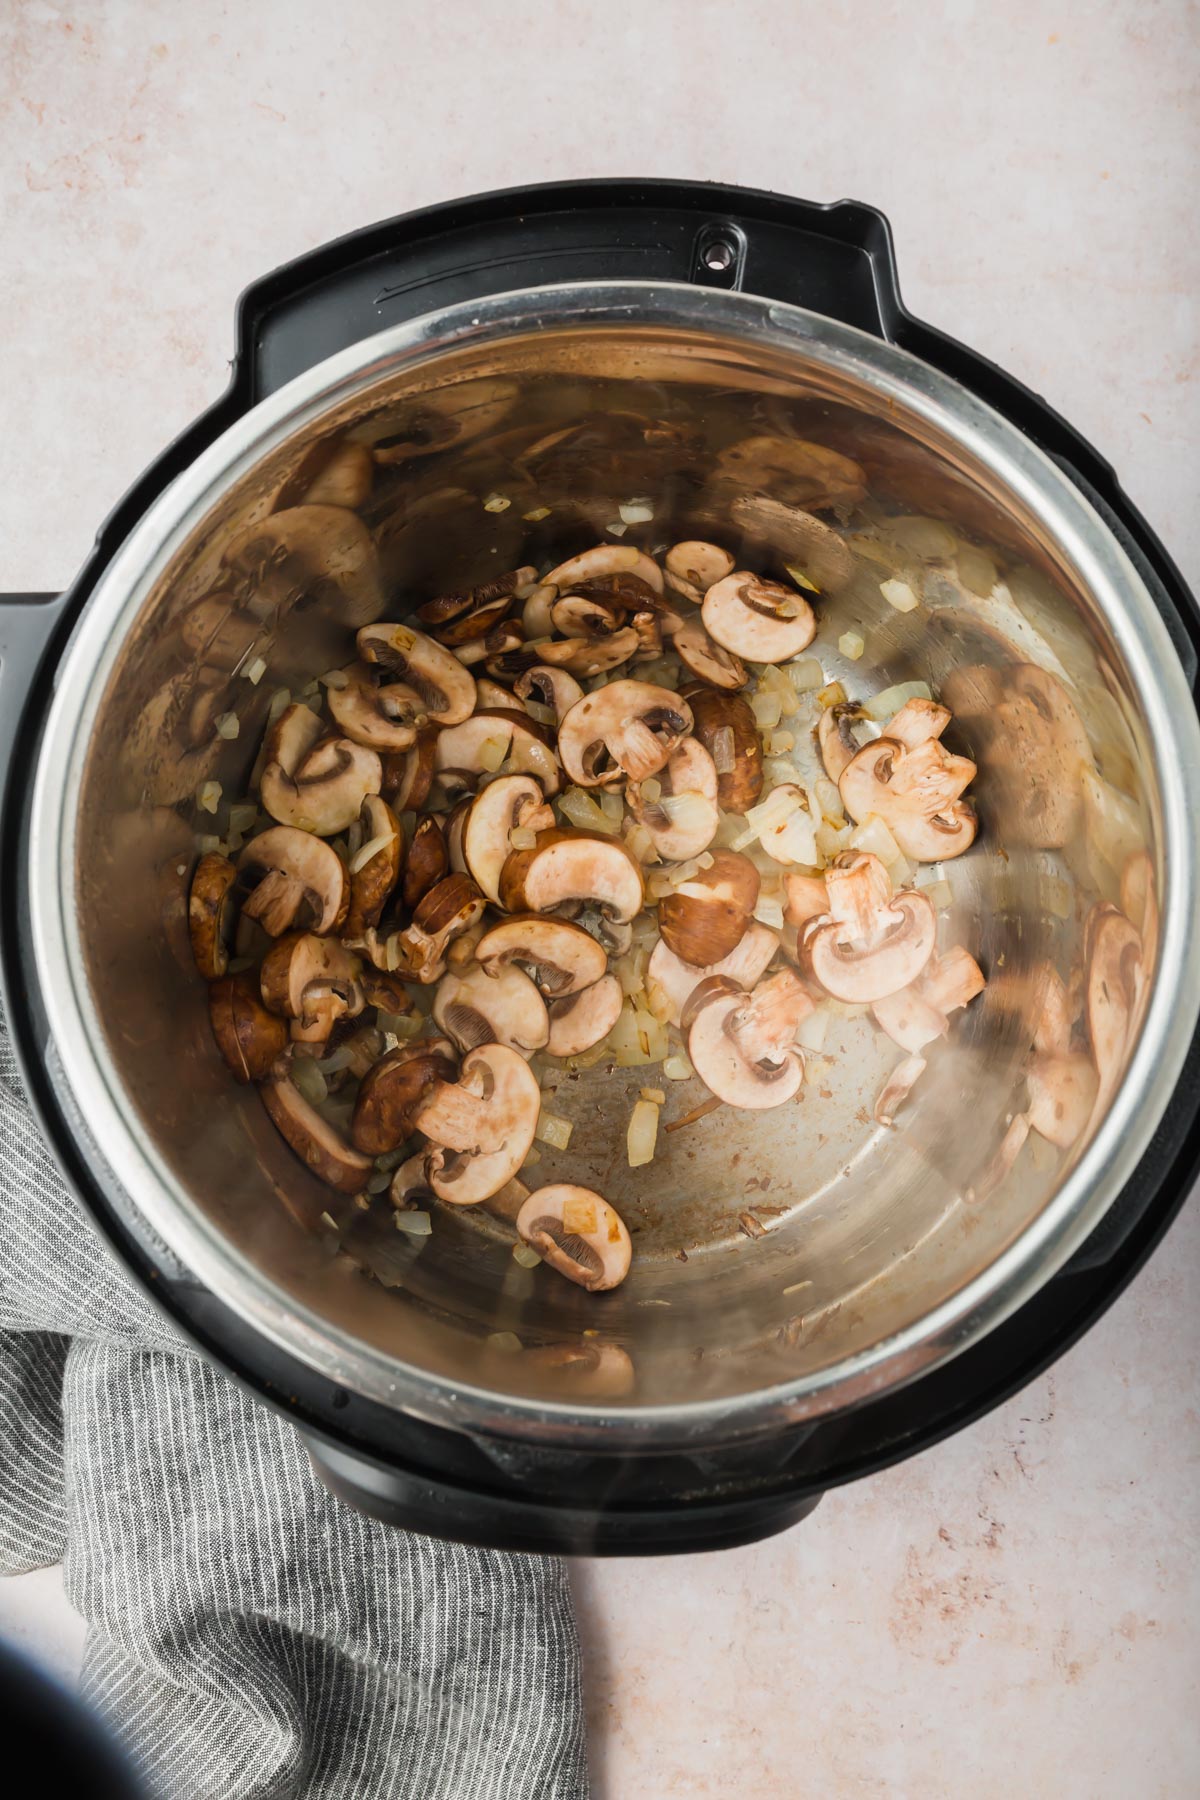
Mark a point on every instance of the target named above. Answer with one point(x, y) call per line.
point(835, 260)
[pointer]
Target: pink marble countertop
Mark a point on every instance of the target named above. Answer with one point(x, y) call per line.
point(1015, 1610)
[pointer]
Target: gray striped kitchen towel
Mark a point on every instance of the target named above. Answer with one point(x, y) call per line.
point(247, 1635)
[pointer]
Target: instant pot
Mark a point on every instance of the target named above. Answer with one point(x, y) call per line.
point(520, 366)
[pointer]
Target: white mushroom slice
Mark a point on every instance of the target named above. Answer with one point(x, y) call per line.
point(536, 621)
point(916, 794)
point(683, 818)
point(327, 1154)
point(668, 975)
point(737, 1046)
point(582, 1019)
point(706, 917)
point(578, 1233)
point(1062, 1097)
point(898, 1086)
point(706, 660)
point(312, 981)
point(837, 730)
point(551, 686)
point(496, 1102)
point(567, 866)
point(693, 566)
point(796, 538)
point(758, 620)
point(298, 882)
point(476, 1008)
point(510, 803)
point(628, 728)
point(382, 716)
point(605, 559)
point(307, 549)
point(874, 942)
point(561, 958)
point(915, 1016)
point(481, 744)
point(419, 662)
point(326, 792)
point(916, 723)
point(794, 470)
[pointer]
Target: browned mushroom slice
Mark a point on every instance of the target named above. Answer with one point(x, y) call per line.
point(682, 816)
point(874, 942)
point(668, 975)
point(1062, 1097)
point(742, 1045)
point(726, 726)
point(297, 882)
point(605, 560)
point(550, 686)
point(580, 615)
point(388, 992)
point(479, 746)
point(628, 728)
point(383, 1109)
point(428, 862)
point(408, 776)
point(796, 539)
point(209, 914)
point(417, 661)
point(580, 1020)
point(566, 866)
point(694, 566)
point(578, 1233)
point(1114, 977)
point(706, 660)
point(313, 982)
point(561, 958)
point(247, 1035)
point(474, 1008)
point(794, 470)
point(705, 917)
point(511, 803)
point(757, 619)
point(419, 952)
point(482, 1127)
point(310, 550)
point(457, 618)
point(375, 866)
point(598, 656)
point(838, 734)
point(916, 794)
point(331, 473)
point(314, 1140)
point(383, 716)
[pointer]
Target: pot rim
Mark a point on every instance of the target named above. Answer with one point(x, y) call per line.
point(1085, 544)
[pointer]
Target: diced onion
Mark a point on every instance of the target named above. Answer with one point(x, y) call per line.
point(873, 835)
point(538, 512)
point(801, 579)
point(659, 1003)
point(640, 844)
point(279, 702)
point(612, 806)
point(308, 1080)
point(208, 796)
point(617, 528)
point(507, 1342)
point(255, 670)
point(899, 595)
point(779, 742)
point(651, 790)
point(812, 1031)
point(652, 1036)
point(771, 812)
point(492, 752)
point(642, 1134)
point(334, 678)
point(677, 1067)
point(497, 503)
point(227, 726)
point(767, 710)
point(526, 1256)
point(806, 674)
point(939, 893)
point(636, 512)
point(371, 848)
point(522, 838)
point(886, 704)
point(543, 715)
point(242, 818)
point(655, 1096)
point(207, 843)
point(769, 912)
point(832, 695)
point(413, 1223)
point(852, 644)
point(828, 800)
point(553, 1130)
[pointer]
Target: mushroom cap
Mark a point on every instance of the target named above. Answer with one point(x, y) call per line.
point(476, 1008)
point(311, 980)
point(860, 970)
point(724, 1061)
point(683, 821)
point(381, 716)
point(578, 1021)
point(759, 620)
point(374, 876)
point(725, 724)
point(562, 958)
point(457, 618)
point(435, 673)
point(509, 802)
point(521, 741)
point(209, 913)
point(915, 793)
point(428, 861)
point(605, 559)
point(311, 887)
point(327, 546)
point(578, 1233)
point(678, 980)
point(916, 723)
point(1062, 1097)
point(325, 793)
point(314, 1140)
point(705, 659)
point(706, 917)
point(627, 728)
point(496, 1103)
point(392, 1089)
point(567, 865)
point(552, 686)
point(693, 566)
point(247, 1035)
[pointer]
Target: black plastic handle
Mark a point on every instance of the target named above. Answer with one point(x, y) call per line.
point(29, 625)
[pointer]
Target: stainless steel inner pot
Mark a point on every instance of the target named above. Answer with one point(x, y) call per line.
point(885, 1249)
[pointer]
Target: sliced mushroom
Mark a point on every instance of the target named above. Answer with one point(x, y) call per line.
point(693, 566)
point(551, 686)
point(384, 716)
point(915, 1016)
point(247, 1035)
point(511, 803)
point(874, 942)
point(455, 825)
point(331, 473)
point(297, 882)
point(390, 1092)
point(898, 1086)
point(797, 539)
point(579, 1020)
point(387, 992)
point(475, 1008)
point(456, 618)
point(756, 619)
point(314, 1140)
point(725, 724)
point(375, 866)
point(428, 862)
point(535, 615)
point(836, 729)
point(628, 728)
point(578, 1233)
point(742, 1045)
point(605, 559)
point(916, 794)
point(598, 656)
point(482, 1128)
point(435, 673)
point(324, 790)
point(683, 816)
point(579, 615)
point(1062, 1097)
point(706, 660)
point(313, 982)
point(706, 917)
point(311, 552)
point(490, 695)
point(408, 776)
point(566, 866)
point(419, 952)
point(562, 958)
point(210, 914)
point(794, 470)
point(807, 898)
point(668, 975)
point(482, 743)
point(649, 629)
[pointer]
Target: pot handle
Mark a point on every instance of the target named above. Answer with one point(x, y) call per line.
point(29, 624)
